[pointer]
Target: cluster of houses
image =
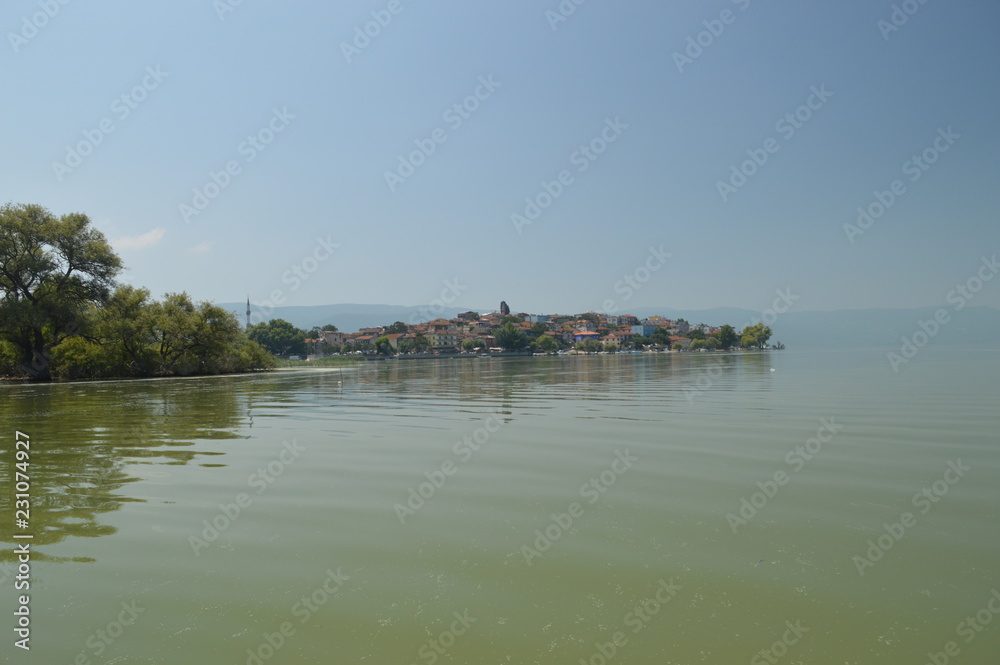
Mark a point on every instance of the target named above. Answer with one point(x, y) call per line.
point(448, 335)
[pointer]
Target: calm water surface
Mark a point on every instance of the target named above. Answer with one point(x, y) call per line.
point(555, 502)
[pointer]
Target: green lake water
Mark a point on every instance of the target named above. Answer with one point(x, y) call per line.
point(572, 508)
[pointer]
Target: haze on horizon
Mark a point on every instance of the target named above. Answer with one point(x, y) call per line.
point(710, 152)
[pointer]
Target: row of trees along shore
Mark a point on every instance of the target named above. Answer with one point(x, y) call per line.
point(63, 315)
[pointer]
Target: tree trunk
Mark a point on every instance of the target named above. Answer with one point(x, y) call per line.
point(35, 362)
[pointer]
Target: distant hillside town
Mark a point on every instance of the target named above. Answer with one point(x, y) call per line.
point(504, 332)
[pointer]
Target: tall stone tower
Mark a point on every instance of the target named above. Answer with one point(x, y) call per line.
point(248, 312)
point(503, 308)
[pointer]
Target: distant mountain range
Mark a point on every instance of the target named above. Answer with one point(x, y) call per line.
point(972, 326)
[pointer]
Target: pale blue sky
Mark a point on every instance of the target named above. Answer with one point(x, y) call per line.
point(656, 184)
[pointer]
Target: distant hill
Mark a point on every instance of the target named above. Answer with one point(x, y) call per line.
point(972, 326)
point(347, 317)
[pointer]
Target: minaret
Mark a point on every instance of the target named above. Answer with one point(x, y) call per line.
point(248, 312)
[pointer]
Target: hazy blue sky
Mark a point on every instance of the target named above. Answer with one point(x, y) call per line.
point(209, 79)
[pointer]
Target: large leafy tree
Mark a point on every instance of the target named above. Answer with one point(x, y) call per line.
point(126, 332)
point(421, 343)
point(279, 337)
point(383, 346)
point(661, 336)
point(510, 338)
point(546, 344)
point(470, 345)
point(397, 328)
point(187, 338)
point(755, 336)
point(53, 270)
point(727, 336)
point(537, 330)
point(317, 331)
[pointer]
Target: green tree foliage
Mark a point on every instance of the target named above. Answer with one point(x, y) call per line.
point(510, 338)
point(545, 344)
point(125, 330)
point(510, 318)
point(588, 345)
point(421, 343)
point(695, 333)
point(187, 338)
point(712, 343)
point(727, 336)
point(639, 342)
point(698, 344)
point(661, 337)
point(383, 346)
point(755, 336)
point(537, 330)
point(397, 328)
point(132, 337)
point(61, 314)
point(52, 272)
point(316, 331)
point(279, 337)
point(471, 345)
point(10, 360)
